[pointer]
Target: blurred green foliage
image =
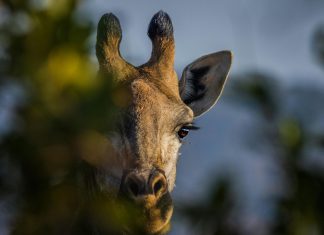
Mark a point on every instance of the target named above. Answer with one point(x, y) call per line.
point(212, 216)
point(62, 103)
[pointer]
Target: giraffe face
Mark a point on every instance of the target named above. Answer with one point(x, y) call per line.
point(149, 133)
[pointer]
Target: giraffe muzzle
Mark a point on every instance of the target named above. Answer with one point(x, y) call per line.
point(136, 185)
point(148, 192)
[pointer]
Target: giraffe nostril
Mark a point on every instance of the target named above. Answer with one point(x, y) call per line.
point(133, 185)
point(158, 186)
point(133, 188)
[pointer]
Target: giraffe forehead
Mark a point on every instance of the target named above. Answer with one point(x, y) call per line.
point(143, 91)
point(155, 99)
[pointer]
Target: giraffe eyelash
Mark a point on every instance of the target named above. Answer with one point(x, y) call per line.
point(190, 127)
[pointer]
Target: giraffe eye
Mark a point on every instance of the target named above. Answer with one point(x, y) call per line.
point(183, 132)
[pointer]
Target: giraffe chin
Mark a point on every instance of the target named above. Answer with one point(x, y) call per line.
point(151, 216)
point(158, 216)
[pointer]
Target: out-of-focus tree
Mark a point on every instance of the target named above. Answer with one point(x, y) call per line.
point(318, 44)
point(59, 110)
point(300, 211)
point(289, 116)
point(213, 215)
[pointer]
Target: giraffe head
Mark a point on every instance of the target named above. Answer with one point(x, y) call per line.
point(161, 112)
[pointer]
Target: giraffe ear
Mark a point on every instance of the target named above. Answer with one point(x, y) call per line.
point(203, 80)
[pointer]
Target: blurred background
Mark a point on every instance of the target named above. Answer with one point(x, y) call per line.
point(255, 166)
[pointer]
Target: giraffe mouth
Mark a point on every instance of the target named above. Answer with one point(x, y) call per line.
point(149, 216)
point(146, 197)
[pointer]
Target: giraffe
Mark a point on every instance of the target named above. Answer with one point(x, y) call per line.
point(161, 111)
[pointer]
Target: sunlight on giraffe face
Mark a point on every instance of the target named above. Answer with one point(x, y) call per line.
point(141, 165)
